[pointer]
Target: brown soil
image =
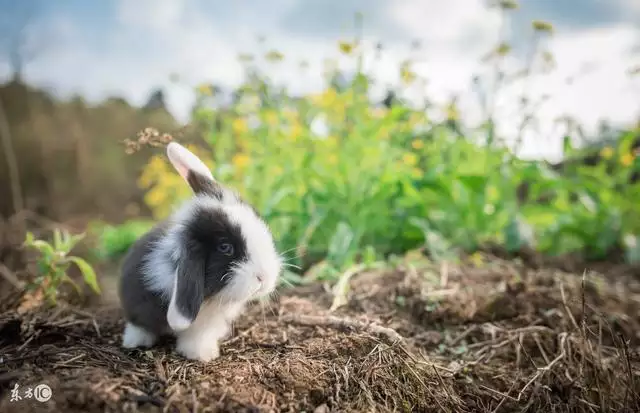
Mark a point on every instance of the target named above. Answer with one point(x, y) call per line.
point(493, 337)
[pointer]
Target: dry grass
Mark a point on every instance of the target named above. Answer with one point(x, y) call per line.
point(498, 338)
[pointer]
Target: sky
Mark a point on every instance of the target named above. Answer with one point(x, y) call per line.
point(127, 48)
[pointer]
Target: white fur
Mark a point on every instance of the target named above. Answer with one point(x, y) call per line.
point(135, 336)
point(213, 323)
point(177, 321)
point(251, 280)
point(183, 160)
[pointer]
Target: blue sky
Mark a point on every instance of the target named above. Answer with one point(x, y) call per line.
point(123, 47)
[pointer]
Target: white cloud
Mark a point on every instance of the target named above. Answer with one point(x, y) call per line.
point(156, 14)
point(598, 62)
point(631, 6)
point(448, 26)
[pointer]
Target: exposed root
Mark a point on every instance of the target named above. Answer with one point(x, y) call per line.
point(344, 324)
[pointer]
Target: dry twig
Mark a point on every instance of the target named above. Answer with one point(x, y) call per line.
point(343, 323)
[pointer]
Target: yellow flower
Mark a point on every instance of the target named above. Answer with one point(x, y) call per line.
point(384, 132)
point(289, 114)
point(452, 111)
point(492, 192)
point(205, 90)
point(333, 159)
point(410, 159)
point(328, 97)
point(331, 141)
point(417, 144)
point(240, 160)
point(271, 118)
point(274, 56)
point(155, 197)
point(542, 26)
point(315, 98)
point(155, 167)
point(239, 126)
point(606, 152)
point(476, 259)
point(296, 131)
point(627, 159)
point(277, 170)
point(508, 4)
point(406, 74)
point(346, 47)
point(417, 173)
point(415, 118)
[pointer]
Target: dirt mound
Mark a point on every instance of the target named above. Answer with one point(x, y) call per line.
point(493, 337)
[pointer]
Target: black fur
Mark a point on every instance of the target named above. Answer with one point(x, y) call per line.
point(204, 185)
point(142, 307)
point(204, 267)
point(201, 268)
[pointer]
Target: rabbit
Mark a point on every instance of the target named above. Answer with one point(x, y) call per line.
point(192, 274)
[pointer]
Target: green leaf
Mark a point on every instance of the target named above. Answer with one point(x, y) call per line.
point(567, 146)
point(73, 283)
point(369, 255)
point(57, 239)
point(28, 240)
point(73, 240)
point(438, 246)
point(275, 199)
point(475, 183)
point(88, 273)
point(290, 279)
point(340, 244)
point(45, 248)
point(517, 233)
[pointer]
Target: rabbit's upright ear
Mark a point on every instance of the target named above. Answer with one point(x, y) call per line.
point(188, 292)
point(193, 170)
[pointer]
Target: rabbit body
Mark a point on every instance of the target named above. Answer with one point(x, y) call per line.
point(193, 274)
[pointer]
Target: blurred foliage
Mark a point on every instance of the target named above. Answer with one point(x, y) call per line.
point(335, 175)
point(53, 263)
point(113, 241)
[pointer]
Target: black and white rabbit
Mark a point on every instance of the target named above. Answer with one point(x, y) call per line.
point(193, 274)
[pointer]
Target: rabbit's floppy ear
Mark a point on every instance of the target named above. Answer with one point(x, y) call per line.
point(193, 170)
point(188, 292)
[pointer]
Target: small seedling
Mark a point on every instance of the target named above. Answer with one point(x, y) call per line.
point(54, 262)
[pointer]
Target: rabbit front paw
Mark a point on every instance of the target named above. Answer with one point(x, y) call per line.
point(135, 336)
point(198, 348)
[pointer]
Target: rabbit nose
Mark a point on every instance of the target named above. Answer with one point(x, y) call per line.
point(259, 277)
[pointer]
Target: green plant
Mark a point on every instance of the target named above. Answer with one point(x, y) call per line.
point(373, 182)
point(113, 241)
point(54, 262)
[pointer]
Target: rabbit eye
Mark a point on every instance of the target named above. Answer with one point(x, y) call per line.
point(225, 248)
